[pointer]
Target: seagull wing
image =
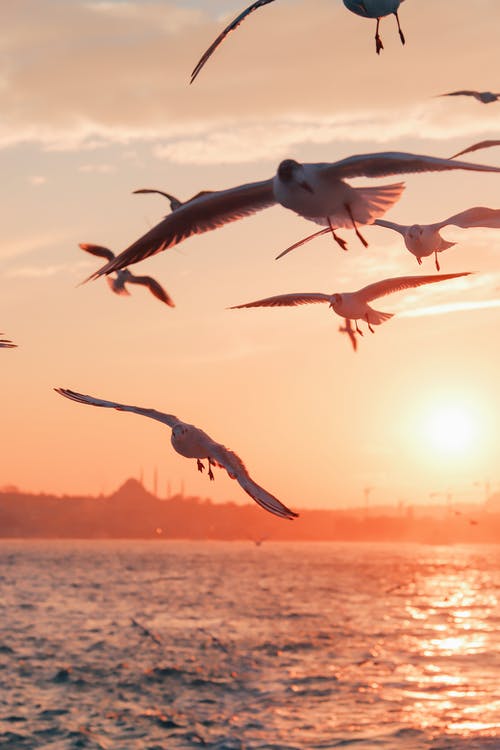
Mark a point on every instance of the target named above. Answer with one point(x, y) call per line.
point(394, 162)
point(478, 216)
point(203, 213)
point(7, 344)
point(287, 300)
point(236, 469)
point(327, 230)
point(154, 287)
point(388, 286)
point(102, 252)
point(167, 419)
point(401, 228)
point(460, 93)
point(232, 26)
point(175, 203)
point(476, 147)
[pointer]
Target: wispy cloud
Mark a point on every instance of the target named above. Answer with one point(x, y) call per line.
point(115, 74)
point(450, 307)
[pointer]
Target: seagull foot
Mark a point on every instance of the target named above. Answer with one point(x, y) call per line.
point(340, 241)
point(210, 474)
point(378, 43)
point(358, 330)
point(438, 267)
point(199, 464)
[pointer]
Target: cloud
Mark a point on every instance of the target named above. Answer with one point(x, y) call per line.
point(118, 72)
point(450, 307)
point(37, 180)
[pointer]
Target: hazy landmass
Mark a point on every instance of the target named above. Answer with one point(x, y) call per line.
point(133, 512)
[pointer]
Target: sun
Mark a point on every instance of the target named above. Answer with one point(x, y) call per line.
point(451, 428)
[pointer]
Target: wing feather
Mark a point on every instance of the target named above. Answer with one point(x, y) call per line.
point(154, 287)
point(102, 252)
point(208, 211)
point(401, 228)
point(167, 419)
point(479, 216)
point(388, 163)
point(476, 147)
point(287, 300)
point(396, 284)
point(237, 470)
point(231, 27)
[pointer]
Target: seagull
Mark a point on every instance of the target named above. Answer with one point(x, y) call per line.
point(6, 343)
point(424, 239)
point(317, 192)
point(191, 442)
point(366, 8)
point(486, 97)
point(476, 147)
point(175, 203)
point(353, 305)
point(124, 276)
point(349, 329)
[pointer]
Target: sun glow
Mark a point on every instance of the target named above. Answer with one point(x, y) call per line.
point(451, 428)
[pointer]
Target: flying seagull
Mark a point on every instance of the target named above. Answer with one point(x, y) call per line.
point(124, 276)
point(476, 147)
point(350, 331)
point(486, 97)
point(424, 239)
point(7, 343)
point(353, 305)
point(317, 192)
point(191, 442)
point(375, 9)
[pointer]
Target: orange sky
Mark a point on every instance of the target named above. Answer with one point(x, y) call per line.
point(95, 103)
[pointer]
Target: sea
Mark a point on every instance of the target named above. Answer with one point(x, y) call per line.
point(173, 645)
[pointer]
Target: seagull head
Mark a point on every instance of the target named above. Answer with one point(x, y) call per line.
point(178, 430)
point(336, 299)
point(290, 171)
point(415, 232)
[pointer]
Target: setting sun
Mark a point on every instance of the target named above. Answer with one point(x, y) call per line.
point(451, 428)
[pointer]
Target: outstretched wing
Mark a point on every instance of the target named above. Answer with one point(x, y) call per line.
point(7, 344)
point(232, 26)
point(154, 287)
point(209, 210)
point(388, 163)
point(287, 300)
point(167, 419)
point(310, 237)
point(102, 252)
point(476, 147)
point(479, 216)
point(460, 93)
point(388, 286)
point(401, 228)
point(237, 470)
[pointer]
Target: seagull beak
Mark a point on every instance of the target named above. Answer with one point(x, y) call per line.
point(306, 186)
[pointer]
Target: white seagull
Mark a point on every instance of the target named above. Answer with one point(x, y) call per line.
point(366, 8)
point(486, 97)
point(7, 343)
point(317, 192)
point(191, 442)
point(423, 240)
point(124, 276)
point(353, 305)
point(476, 147)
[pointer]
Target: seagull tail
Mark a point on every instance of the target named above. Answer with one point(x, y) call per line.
point(377, 317)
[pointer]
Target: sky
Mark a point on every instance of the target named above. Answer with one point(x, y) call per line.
point(95, 103)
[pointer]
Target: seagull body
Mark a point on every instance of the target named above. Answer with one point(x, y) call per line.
point(124, 276)
point(353, 305)
point(485, 97)
point(308, 189)
point(191, 442)
point(423, 240)
point(366, 8)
